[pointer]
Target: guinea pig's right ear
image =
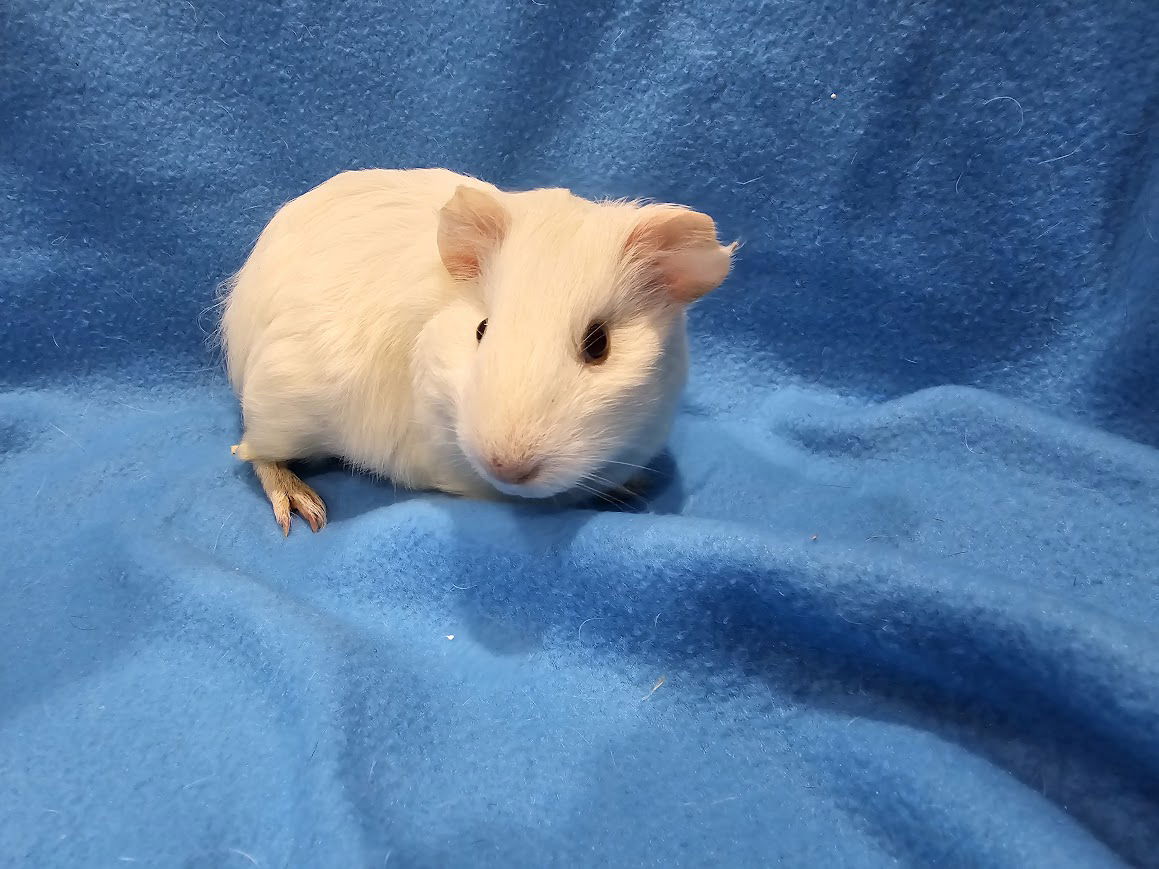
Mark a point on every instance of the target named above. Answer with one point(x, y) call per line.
point(681, 250)
point(471, 226)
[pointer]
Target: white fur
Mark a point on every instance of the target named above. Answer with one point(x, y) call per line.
point(347, 335)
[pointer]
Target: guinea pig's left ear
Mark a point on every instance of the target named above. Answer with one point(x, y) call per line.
point(681, 247)
point(471, 226)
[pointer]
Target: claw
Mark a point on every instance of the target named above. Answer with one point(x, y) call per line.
point(310, 507)
point(281, 505)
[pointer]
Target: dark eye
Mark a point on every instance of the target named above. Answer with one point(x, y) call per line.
point(480, 329)
point(594, 346)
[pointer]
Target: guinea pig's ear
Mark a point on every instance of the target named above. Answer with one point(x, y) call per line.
point(681, 247)
point(471, 225)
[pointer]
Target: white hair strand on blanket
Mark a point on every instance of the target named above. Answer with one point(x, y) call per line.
point(1021, 112)
point(584, 622)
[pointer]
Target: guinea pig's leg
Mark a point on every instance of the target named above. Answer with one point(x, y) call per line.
point(286, 491)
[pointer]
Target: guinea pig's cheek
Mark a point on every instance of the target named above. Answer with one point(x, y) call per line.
point(466, 398)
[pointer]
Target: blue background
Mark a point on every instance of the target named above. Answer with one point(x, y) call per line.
point(900, 578)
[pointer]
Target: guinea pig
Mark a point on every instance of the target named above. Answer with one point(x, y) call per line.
point(430, 328)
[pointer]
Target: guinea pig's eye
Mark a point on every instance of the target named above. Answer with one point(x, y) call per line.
point(595, 345)
point(480, 329)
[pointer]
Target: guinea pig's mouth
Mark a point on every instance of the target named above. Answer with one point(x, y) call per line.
point(534, 487)
point(524, 478)
point(526, 490)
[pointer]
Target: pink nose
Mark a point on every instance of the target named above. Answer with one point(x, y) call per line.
point(512, 471)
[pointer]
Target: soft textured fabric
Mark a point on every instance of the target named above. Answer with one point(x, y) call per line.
point(895, 599)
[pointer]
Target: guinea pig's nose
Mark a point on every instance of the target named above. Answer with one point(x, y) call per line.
point(513, 471)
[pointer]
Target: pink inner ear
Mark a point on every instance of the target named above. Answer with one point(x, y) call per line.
point(682, 246)
point(471, 225)
point(693, 272)
point(463, 264)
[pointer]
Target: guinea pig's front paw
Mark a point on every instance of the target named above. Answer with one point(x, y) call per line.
point(287, 492)
point(307, 504)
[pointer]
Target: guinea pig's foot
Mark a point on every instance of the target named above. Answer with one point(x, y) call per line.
point(287, 493)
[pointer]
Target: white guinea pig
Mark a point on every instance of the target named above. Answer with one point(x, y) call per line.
point(430, 328)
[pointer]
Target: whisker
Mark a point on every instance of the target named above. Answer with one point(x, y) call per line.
point(634, 504)
point(604, 481)
point(630, 465)
point(603, 496)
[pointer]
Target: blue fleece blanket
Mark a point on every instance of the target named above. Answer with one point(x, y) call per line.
point(895, 599)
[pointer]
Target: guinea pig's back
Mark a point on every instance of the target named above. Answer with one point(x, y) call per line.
point(342, 273)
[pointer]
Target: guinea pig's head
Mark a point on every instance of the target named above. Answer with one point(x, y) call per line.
point(579, 350)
